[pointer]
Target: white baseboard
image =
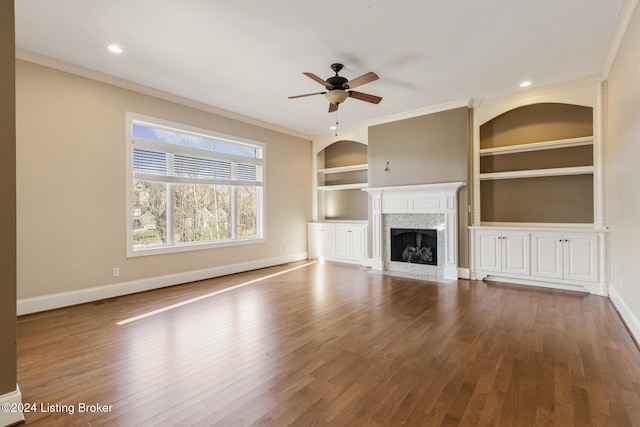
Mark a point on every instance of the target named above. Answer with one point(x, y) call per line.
point(13, 400)
point(64, 299)
point(625, 312)
point(528, 282)
point(463, 273)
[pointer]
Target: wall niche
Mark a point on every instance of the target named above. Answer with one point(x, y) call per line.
point(536, 165)
point(342, 173)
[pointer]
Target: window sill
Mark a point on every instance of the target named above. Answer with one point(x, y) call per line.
point(188, 247)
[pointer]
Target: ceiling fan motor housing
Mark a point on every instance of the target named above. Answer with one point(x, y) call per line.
point(336, 82)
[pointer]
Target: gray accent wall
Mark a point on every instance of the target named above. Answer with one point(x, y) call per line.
point(428, 149)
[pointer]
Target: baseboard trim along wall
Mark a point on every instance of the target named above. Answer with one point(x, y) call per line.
point(632, 322)
point(65, 299)
point(13, 402)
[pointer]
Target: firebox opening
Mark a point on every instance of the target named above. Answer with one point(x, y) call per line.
point(413, 245)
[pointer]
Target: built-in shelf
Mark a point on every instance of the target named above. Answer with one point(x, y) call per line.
point(536, 146)
point(341, 169)
point(355, 186)
point(535, 173)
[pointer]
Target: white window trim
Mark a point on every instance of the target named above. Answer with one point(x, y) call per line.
point(185, 247)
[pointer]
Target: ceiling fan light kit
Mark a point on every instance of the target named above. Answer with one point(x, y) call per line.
point(337, 88)
point(337, 96)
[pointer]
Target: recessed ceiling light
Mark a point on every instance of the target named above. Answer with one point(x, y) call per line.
point(525, 83)
point(333, 128)
point(114, 48)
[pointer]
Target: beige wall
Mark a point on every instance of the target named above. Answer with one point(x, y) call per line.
point(8, 197)
point(622, 174)
point(422, 150)
point(71, 174)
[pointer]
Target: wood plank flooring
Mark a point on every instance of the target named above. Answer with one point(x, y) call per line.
point(332, 344)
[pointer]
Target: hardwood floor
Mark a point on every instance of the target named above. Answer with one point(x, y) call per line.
point(332, 344)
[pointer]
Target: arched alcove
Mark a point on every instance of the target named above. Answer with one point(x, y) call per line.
point(536, 165)
point(535, 123)
point(342, 173)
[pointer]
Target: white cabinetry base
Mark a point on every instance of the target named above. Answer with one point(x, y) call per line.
point(558, 258)
point(339, 241)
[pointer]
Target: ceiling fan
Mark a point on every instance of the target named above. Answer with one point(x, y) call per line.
point(338, 88)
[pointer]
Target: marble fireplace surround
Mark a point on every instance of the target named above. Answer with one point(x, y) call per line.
point(437, 204)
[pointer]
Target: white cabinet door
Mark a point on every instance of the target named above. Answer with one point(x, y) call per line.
point(569, 256)
point(359, 241)
point(489, 250)
point(502, 251)
point(580, 257)
point(328, 241)
point(351, 241)
point(343, 241)
point(515, 252)
point(321, 241)
point(547, 255)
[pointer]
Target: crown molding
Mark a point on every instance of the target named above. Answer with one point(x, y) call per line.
point(466, 102)
point(47, 61)
point(624, 20)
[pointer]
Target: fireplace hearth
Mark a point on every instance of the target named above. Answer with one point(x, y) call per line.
point(412, 245)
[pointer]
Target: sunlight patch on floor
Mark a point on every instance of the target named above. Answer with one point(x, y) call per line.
point(212, 294)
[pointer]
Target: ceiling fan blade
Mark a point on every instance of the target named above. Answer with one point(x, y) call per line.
point(307, 94)
point(333, 107)
point(318, 79)
point(359, 81)
point(364, 97)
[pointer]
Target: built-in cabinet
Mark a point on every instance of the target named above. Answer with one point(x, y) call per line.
point(502, 251)
point(342, 242)
point(339, 230)
point(537, 205)
point(564, 256)
point(543, 257)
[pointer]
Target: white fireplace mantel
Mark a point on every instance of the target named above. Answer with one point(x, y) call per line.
point(417, 199)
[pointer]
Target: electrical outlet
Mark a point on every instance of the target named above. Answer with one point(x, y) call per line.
point(620, 282)
point(286, 248)
point(116, 271)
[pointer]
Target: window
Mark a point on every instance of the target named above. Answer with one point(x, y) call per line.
point(191, 189)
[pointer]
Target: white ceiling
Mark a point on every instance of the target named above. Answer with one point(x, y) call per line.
point(247, 56)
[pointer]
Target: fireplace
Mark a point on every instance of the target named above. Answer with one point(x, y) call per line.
point(414, 245)
point(431, 207)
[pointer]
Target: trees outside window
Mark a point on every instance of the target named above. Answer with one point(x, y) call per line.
point(191, 189)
